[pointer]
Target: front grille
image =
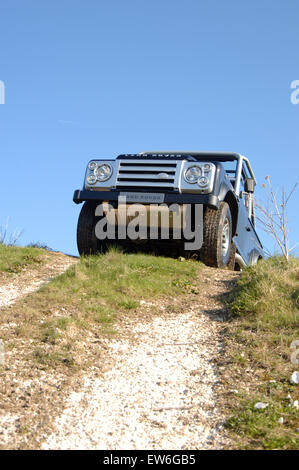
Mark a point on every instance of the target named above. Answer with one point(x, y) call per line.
point(148, 174)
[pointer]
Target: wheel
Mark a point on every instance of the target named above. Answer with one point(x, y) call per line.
point(87, 242)
point(217, 237)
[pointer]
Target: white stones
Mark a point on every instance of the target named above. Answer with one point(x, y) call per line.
point(260, 405)
point(149, 401)
point(295, 378)
point(295, 404)
point(146, 304)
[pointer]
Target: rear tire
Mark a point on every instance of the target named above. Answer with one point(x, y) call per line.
point(217, 248)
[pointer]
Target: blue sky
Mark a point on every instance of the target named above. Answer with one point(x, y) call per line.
point(87, 79)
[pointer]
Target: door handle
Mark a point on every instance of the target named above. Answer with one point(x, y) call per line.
point(248, 228)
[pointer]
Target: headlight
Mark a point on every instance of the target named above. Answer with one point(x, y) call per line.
point(98, 172)
point(103, 172)
point(192, 174)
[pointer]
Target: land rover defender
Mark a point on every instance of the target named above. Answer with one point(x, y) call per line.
point(222, 183)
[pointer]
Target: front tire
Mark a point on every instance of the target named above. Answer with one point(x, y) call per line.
point(216, 250)
point(87, 241)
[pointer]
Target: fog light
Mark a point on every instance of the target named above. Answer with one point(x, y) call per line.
point(91, 179)
point(203, 181)
point(92, 166)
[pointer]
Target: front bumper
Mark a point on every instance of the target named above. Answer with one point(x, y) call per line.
point(210, 200)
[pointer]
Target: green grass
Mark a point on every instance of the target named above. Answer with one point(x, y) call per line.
point(14, 258)
point(103, 286)
point(265, 321)
point(91, 296)
point(269, 294)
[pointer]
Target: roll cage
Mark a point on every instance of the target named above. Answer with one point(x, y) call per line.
point(243, 168)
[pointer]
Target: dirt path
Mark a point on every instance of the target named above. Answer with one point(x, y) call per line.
point(161, 389)
point(18, 285)
point(12, 288)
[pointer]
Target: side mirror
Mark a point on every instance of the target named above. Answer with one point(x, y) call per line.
point(249, 185)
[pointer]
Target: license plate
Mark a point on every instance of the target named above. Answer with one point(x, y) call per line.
point(155, 198)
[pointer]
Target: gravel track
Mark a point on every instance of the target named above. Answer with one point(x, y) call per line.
point(12, 288)
point(160, 393)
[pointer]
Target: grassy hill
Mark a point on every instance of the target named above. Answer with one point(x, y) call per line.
point(59, 330)
point(91, 295)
